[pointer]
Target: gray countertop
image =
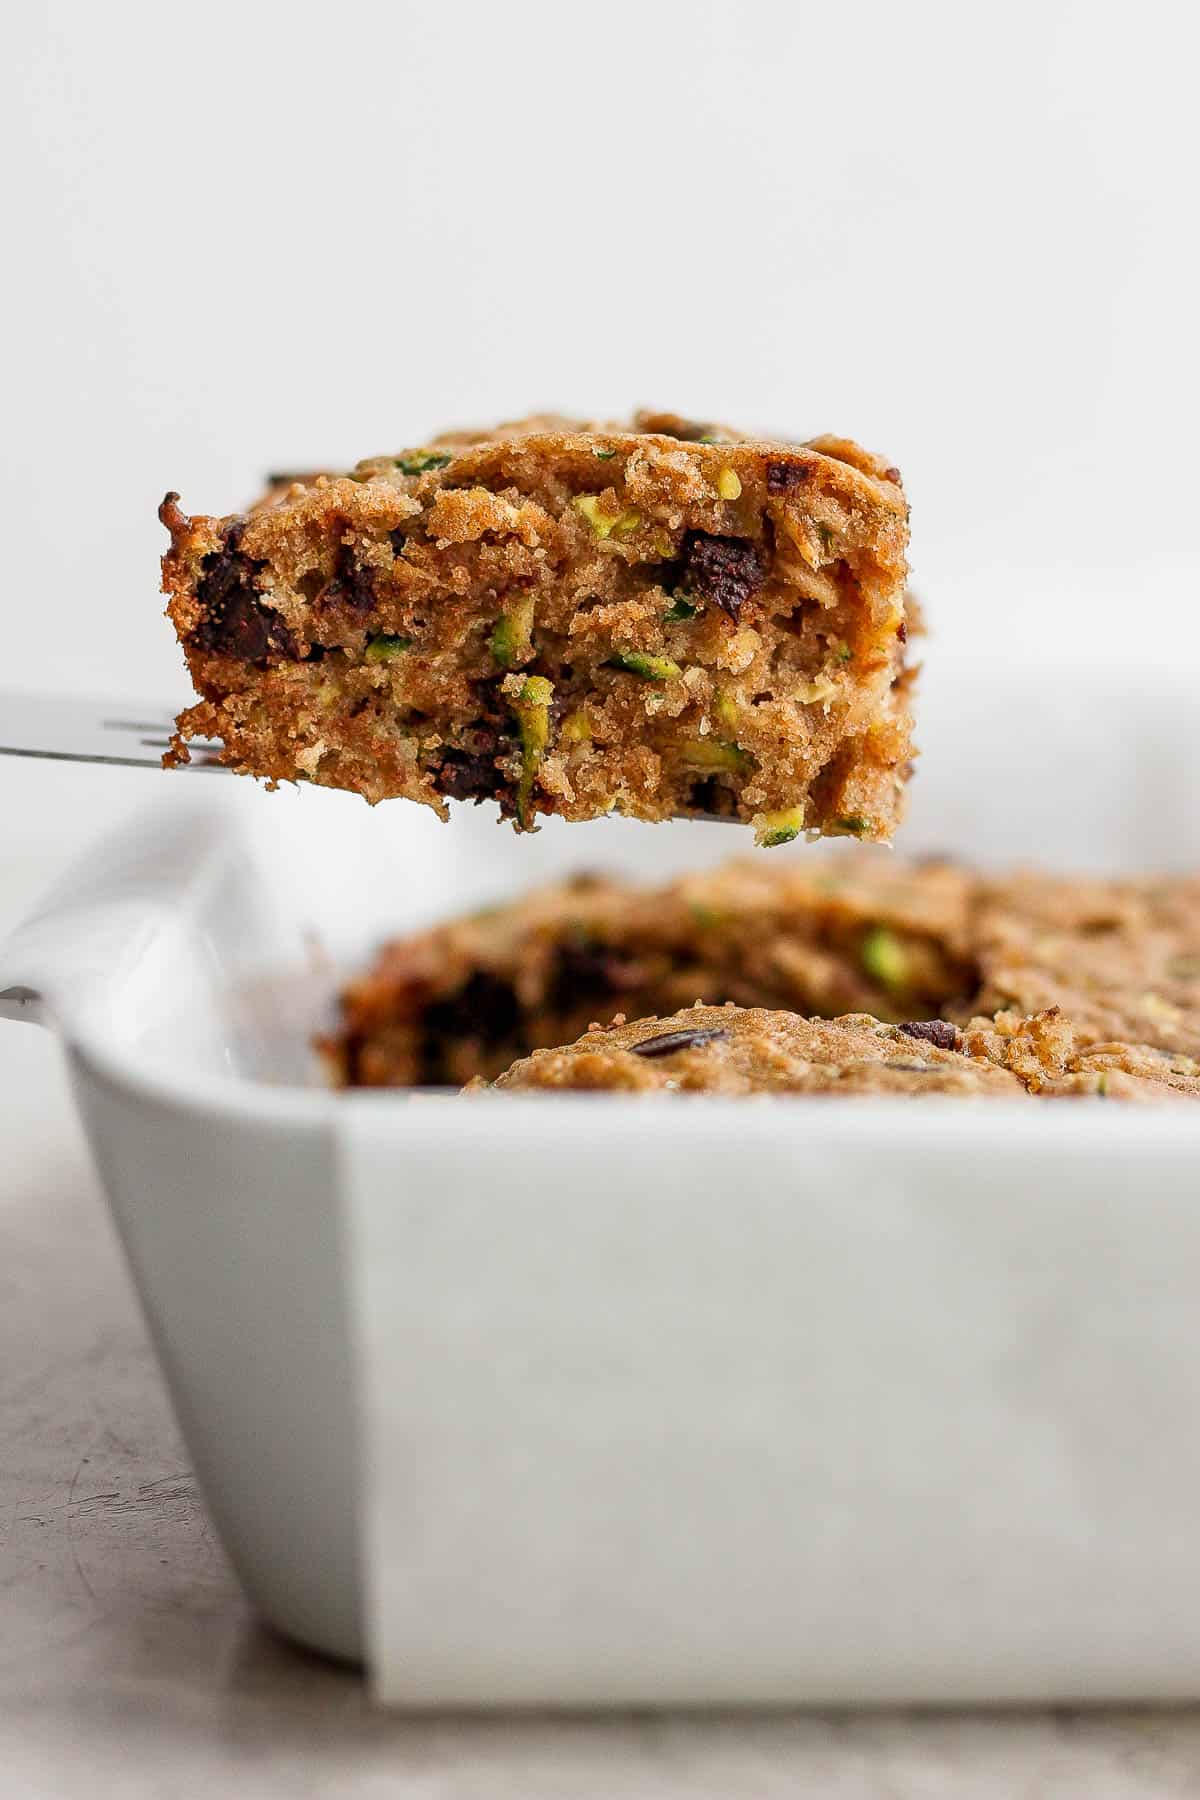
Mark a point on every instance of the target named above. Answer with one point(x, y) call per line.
point(130, 1666)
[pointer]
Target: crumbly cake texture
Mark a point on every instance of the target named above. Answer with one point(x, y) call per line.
point(469, 996)
point(662, 620)
point(738, 1050)
point(1071, 986)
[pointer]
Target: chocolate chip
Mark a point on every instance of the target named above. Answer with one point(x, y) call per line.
point(582, 971)
point(670, 1041)
point(468, 774)
point(933, 1031)
point(783, 477)
point(352, 586)
point(492, 711)
point(237, 621)
point(724, 570)
point(902, 632)
point(485, 1007)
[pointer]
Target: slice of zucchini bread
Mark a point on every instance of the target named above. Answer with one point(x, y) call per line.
point(660, 620)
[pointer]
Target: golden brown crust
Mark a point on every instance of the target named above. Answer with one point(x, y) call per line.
point(571, 619)
point(735, 1050)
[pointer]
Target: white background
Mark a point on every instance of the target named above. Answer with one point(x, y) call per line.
point(241, 236)
point(245, 236)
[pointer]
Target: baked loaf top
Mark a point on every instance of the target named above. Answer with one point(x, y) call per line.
point(736, 1050)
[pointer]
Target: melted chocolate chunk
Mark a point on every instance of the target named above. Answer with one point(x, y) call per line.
point(670, 1041)
point(495, 717)
point(783, 478)
point(352, 587)
point(237, 621)
point(582, 971)
point(932, 1031)
point(469, 774)
point(485, 1007)
point(724, 570)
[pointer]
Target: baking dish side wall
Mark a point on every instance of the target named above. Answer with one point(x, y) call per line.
point(231, 1228)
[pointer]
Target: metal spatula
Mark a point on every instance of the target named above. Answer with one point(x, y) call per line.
point(124, 732)
point(70, 729)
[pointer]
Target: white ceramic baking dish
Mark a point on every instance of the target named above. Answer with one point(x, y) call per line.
point(926, 1380)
